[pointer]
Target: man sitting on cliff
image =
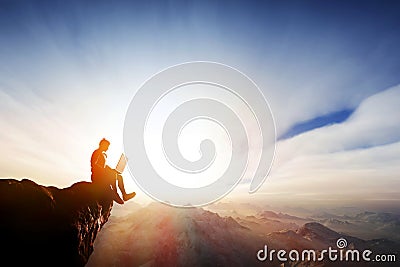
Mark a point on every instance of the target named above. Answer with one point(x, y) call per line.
point(106, 177)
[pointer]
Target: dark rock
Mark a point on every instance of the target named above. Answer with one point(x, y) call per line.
point(48, 226)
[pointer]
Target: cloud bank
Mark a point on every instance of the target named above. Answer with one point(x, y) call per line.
point(353, 160)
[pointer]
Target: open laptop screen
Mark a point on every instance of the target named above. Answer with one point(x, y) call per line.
point(121, 163)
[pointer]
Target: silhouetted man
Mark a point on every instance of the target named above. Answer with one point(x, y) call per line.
point(105, 176)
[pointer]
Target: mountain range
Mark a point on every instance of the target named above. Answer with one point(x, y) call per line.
point(160, 235)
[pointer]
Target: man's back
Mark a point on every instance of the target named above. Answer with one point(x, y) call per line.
point(97, 162)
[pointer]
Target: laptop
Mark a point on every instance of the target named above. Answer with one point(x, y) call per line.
point(121, 163)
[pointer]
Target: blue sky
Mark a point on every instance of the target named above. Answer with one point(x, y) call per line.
point(341, 47)
point(69, 68)
point(317, 122)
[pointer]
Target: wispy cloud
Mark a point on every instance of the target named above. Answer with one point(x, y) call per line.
point(355, 159)
point(375, 122)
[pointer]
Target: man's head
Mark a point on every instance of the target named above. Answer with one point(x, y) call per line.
point(104, 144)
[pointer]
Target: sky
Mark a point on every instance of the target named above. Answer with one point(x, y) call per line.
point(329, 70)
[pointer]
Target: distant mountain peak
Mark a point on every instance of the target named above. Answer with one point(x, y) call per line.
point(315, 230)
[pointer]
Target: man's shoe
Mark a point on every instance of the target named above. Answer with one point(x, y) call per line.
point(129, 196)
point(117, 198)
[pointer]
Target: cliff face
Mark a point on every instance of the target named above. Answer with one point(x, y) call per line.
point(48, 226)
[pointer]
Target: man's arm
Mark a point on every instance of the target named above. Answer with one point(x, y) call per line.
point(98, 160)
